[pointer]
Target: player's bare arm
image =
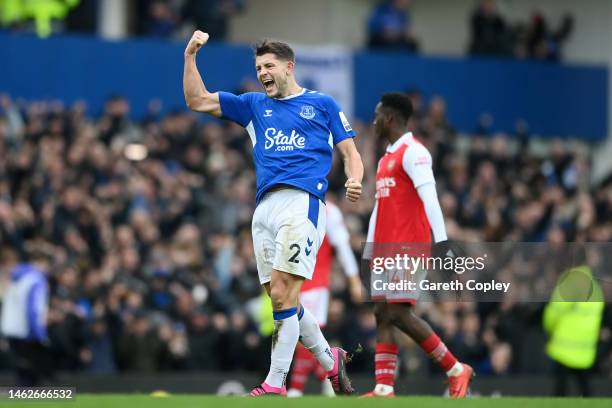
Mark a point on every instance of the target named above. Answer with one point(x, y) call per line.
point(353, 168)
point(355, 289)
point(197, 96)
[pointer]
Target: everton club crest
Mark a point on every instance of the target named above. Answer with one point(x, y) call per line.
point(307, 112)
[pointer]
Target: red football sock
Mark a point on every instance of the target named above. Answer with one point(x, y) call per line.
point(303, 365)
point(438, 352)
point(386, 363)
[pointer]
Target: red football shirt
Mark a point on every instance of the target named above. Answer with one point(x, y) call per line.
point(400, 215)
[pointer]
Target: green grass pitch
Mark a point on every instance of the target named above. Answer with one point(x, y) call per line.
point(204, 401)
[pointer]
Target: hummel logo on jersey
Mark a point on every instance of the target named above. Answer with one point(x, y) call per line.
point(307, 112)
point(308, 249)
point(282, 142)
point(268, 113)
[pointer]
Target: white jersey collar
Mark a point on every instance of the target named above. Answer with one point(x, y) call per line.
point(399, 142)
point(293, 96)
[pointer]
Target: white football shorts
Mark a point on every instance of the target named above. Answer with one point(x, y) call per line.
point(288, 229)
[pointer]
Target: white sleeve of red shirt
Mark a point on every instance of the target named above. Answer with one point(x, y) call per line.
point(339, 238)
point(367, 250)
point(371, 225)
point(417, 164)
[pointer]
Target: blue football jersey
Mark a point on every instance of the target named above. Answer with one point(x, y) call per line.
point(293, 137)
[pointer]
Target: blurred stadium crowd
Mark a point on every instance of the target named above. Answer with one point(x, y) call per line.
point(147, 228)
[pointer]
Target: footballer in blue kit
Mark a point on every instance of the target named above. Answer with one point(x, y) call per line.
point(293, 131)
point(293, 137)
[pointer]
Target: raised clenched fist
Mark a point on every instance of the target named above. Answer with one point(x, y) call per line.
point(198, 39)
point(353, 189)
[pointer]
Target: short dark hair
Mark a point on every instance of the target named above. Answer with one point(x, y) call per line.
point(399, 103)
point(282, 50)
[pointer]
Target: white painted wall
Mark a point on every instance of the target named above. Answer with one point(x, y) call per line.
point(442, 25)
point(113, 19)
point(602, 163)
point(310, 22)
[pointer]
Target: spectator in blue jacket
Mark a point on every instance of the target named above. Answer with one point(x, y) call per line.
point(24, 319)
point(389, 25)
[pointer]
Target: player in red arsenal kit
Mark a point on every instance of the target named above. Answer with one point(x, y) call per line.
point(407, 210)
point(314, 296)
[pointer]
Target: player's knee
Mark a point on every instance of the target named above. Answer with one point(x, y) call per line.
point(281, 296)
point(399, 312)
point(381, 311)
point(285, 290)
point(391, 314)
point(277, 296)
point(409, 311)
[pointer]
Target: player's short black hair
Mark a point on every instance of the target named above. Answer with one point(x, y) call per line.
point(399, 103)
point(282, 50)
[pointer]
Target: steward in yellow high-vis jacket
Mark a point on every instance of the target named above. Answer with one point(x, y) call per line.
point(572, 321)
